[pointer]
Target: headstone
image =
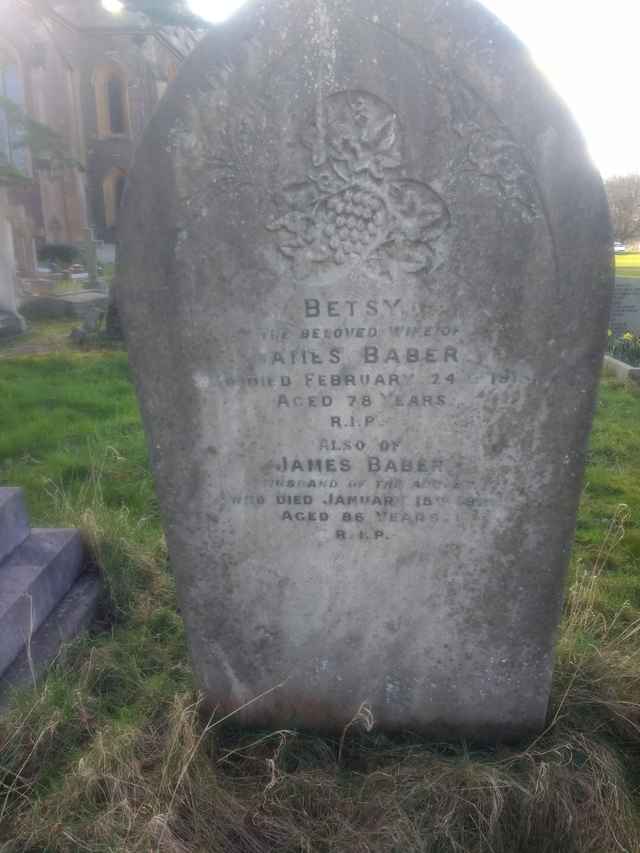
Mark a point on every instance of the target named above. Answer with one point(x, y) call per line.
point(11, 322)
point(366, 283)
point(625, 311)
point(91, 325)
point(34, 578)
point(45, 597)
point(14, 521)
point(66, 305)
point(90, 259)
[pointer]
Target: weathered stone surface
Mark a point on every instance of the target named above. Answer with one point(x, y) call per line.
point(73, 615)
point(33, 580)
point(14, 521)
point(625, 310)
point(623, 372)
point(366, 283)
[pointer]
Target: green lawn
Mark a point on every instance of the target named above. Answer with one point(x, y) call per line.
point(111, 753)
point(628, 266)
point(65, 418)
point(69, 285)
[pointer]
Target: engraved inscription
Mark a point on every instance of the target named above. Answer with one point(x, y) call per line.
point(354, 206)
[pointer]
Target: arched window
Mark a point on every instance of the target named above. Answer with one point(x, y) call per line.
point(120, 183)
point(112, 191)
point(115, 97)
point(112, 102)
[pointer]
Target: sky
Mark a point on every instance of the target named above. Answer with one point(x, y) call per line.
point(589, 50)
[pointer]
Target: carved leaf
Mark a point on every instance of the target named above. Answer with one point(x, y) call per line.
point(299, 196)
point(390, 160)
point(384, 136)
point(341, 171)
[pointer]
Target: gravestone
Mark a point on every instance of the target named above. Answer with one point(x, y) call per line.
point(625, 310)
point(11, 322)
point(46, 597)
point(91, 259)
point(366, 281)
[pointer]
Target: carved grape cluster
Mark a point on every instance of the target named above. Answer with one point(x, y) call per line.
point(352, 207)
point(353, 220)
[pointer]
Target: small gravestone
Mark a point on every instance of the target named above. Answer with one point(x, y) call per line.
point(366, 282)
point(91, 260)
point(46, 598)
point(625, 311)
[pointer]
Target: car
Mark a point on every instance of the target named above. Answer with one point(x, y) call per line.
point(619, 248)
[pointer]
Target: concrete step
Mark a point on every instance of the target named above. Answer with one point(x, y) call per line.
point(73, 615)
point(33, 580)
point(14, 520)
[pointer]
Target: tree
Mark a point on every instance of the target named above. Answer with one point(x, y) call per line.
point(623, 193)
point(48, 149)
point(166, 12)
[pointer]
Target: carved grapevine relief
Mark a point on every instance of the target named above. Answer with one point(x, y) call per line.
point(491, 155)
point(354, 207)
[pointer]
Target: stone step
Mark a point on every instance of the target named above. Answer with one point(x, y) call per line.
point(33, 580)
point(14, 520)
point(73, 615)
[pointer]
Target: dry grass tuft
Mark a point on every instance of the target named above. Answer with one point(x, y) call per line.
point(180, 785)
point(113, 755)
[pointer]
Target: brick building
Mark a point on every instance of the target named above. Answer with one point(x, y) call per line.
point(94, 78)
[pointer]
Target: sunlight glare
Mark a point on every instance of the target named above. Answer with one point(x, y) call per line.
point(113, 6)
point(215, 11)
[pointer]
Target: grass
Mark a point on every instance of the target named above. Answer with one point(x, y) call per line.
point(42, 336)
point(628, 266)
point(46, 337)
point(69, 285)
point(68, 418)
point(113, 754)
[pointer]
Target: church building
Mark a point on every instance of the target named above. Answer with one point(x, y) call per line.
point(94, 78)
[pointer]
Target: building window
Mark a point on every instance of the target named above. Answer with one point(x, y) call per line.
point(120, 182)
point(112, 191)
point(115, 95)
point(112, 102)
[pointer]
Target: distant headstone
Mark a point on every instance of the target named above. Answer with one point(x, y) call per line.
point(66, 305)
point(11, 322)
point(90, 259)
point(366, 282)
point(625, 311)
